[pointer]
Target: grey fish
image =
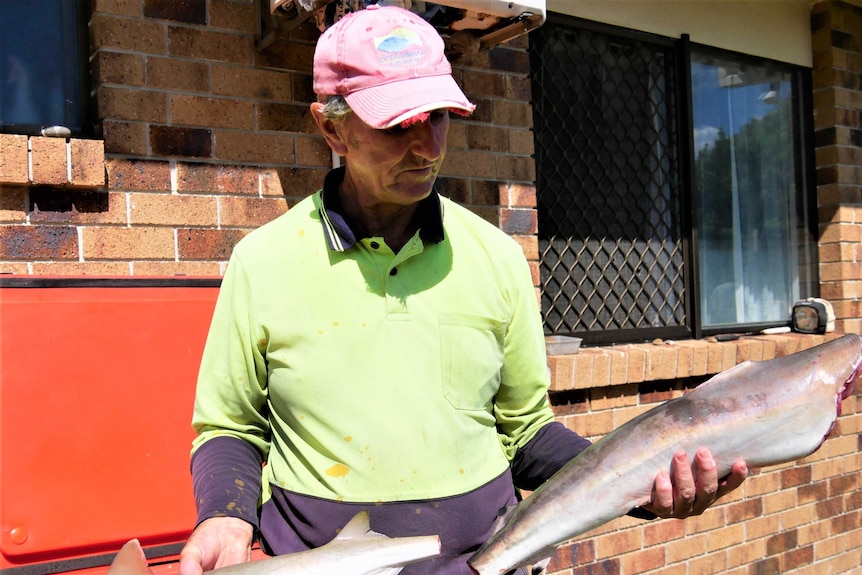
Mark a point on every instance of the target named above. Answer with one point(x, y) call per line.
point(765, 412)
point(355, 551)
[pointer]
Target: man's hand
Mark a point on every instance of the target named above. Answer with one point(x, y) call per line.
point(216, 542)
point(683, 492)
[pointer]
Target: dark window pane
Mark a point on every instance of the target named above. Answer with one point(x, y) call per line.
point(610, 236)
point(40, 82)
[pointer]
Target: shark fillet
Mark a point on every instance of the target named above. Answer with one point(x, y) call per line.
point(765, 412)
point(355, 551)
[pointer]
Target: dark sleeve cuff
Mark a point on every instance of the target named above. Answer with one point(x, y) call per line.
point(551, 448)
point(226, 477)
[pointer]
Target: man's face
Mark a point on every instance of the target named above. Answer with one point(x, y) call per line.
point(398, 165)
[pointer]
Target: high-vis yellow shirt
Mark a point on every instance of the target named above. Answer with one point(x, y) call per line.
point(362, 375)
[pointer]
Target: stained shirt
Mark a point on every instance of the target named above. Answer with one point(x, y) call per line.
point(365, 378)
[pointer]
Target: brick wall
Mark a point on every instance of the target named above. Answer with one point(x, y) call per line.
point(205, 138)
point(837, 77)
point(202, 138)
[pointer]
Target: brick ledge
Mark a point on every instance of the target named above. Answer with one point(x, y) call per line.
point(595, 367)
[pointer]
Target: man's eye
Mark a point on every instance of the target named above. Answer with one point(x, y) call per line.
point(438, 115)
point(395, 130)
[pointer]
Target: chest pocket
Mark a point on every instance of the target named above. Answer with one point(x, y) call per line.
point(471, 352)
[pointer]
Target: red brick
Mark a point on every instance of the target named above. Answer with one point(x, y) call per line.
point(48, 158)
point(88, 163)
point(217, 179)
point(211, 112)
point(287, 56)
point(484, 83)
point(265, 85)
point(207, 45)
point(14, 168)
point(102, 269)
point(12, 269)
point(30, 243)
point(515, 168)
point(172, 210)
point(141, 243)
point(162, 269)
point(249, 212)
point(519, 221)
point(521, 142)
point(145, 175)
point(483, 137)
point(286, 118)
point(127, 34)
point(254, 148)
point(294, 183)
point(119, 7)
point(118, 68)
point(313, 152)
point(13, 204)
point(170, 74)
point(207, 244)
point(125, 137)
point(48, 205)
point(133, 104)
point(469, 164)
point(188, 11)
point(232, 16)
point(510, 113)
point(172, 141)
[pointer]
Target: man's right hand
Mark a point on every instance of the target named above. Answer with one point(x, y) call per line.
point(216, 542)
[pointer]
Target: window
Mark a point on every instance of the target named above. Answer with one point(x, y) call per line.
point(643, 144)
point(748, 195)
point(43, 58)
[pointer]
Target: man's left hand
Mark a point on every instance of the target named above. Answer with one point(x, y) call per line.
point(690, 489)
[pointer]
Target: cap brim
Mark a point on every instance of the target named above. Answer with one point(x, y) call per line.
point(387, 105)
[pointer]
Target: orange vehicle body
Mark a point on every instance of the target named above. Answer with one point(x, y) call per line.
point(97, 381)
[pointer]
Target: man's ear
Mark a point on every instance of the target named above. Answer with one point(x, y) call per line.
point(329, 129)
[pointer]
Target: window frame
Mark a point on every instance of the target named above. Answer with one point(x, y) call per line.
point(79, 11)
point(804, 162)
point(804, 177)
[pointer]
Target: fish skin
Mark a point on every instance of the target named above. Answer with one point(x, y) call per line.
point(355, 551)
point(764, 412)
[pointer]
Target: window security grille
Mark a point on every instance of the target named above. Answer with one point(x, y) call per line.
point(610, 232)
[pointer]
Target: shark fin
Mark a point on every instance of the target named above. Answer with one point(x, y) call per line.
point(539, 567)
point(130, 560)
point(503, 515)
point(358, 528)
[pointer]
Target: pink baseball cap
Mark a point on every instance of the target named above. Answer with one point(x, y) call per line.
point(390, 66)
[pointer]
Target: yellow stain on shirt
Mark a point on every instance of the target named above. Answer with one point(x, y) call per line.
point(348, 438)
point(338, 470)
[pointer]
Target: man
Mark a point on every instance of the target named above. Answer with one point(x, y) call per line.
point(379, 347)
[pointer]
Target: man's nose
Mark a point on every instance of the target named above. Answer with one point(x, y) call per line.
point(430, 138)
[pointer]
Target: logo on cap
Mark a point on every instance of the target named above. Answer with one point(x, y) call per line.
point(401, 46)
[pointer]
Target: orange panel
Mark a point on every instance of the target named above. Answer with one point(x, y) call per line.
point(96, 393)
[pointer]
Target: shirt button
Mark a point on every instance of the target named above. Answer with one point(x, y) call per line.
point(374, 245)
point(393, 271)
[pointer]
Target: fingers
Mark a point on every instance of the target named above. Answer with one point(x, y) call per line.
point(190, 561)
point(662, 495)
point(690, 489)
point(738, 473)
point(216, 542)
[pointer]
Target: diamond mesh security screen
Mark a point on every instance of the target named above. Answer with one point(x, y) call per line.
point(610, 236)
